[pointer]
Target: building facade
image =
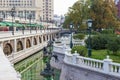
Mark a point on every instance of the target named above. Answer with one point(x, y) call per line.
point(38, 9)
point(47, 10)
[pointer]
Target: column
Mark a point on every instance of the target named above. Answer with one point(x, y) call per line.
point(106, 63)
point(24, 43)
point(1, 45)
point(74, 57)
point(32, 42)
point(38, 41)
point(15, 45)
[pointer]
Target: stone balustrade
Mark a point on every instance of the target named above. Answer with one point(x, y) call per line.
point(7, 71)
point(8, 34)
point(114, 68)
point(66, 40)
point(104, 66)
point(101, 67)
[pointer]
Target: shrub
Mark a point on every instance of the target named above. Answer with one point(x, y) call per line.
point(107, 31)
point(82, 50)
point(79, 36)
point(100, 41)
point(113, 45)
point(95, 33)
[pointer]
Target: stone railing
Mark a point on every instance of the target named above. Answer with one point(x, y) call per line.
point(61, 48)
point(66, 40)
point(8, 34)
point(70, 61)
point(104, 66)
point(7, 71)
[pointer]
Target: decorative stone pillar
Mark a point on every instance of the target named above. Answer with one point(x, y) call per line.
point(42, 39)
point(15, 45)
point(38, 41)
point(24, 43)
point(106, 63)
point(74, 57)
point(32, 42)
point(1, 45)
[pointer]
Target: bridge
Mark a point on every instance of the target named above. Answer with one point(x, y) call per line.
point(15, 48)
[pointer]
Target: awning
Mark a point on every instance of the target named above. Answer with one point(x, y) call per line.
point(18, 25)
point(39, 25)
point(3, 24)
point(8, 23)
point(13, 24)
point(31, 25)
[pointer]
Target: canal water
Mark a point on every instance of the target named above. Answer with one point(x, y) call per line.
point(31, 67)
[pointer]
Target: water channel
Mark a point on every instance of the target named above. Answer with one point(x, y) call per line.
point(31, 67)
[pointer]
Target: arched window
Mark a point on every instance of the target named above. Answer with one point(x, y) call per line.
point(28, 44)
point(19, 46)
point(35, 41)
point(7, 49)
point(40, 40)
point(43, 38)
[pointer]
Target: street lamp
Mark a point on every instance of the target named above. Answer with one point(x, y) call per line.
point(12, 14)
point(48, 72)
point(89, 23)
point(30, 17)
point(3, 13)
point(40, 23)
point(71, 43)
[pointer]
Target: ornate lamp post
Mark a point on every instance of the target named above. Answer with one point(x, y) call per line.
point(48, 72)
point(40, 23)
point(89, 22)
point(71, 43)
point(3, 13)
point(12, 14)
point(30, 17)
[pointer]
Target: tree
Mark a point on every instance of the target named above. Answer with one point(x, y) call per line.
point(104, 14)
point(77, 14)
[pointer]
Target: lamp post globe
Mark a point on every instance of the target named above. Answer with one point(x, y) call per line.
point(89, 23)
point(71, 43)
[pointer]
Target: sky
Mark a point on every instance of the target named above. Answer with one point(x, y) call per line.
point(61, 6)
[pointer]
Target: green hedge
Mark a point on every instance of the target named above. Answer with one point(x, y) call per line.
point(82, 50)
point(107, 31)
point(101, 41)
point(79, 36)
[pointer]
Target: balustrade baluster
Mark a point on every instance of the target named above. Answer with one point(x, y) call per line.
point(94, 64)
point(87, 62)
point(119, 69)
point(91, 63)
point(111, 68)
point(97, 65)
point(100, 65)
point(82, 61)
point(115, 70)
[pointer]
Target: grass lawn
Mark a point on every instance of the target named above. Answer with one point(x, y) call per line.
point(101, 54)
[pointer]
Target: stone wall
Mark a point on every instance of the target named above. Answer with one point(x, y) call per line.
point(57, 63)
point(75, 67)
point(70, 72)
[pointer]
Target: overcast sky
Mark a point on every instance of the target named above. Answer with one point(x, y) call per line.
point(61, 6)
